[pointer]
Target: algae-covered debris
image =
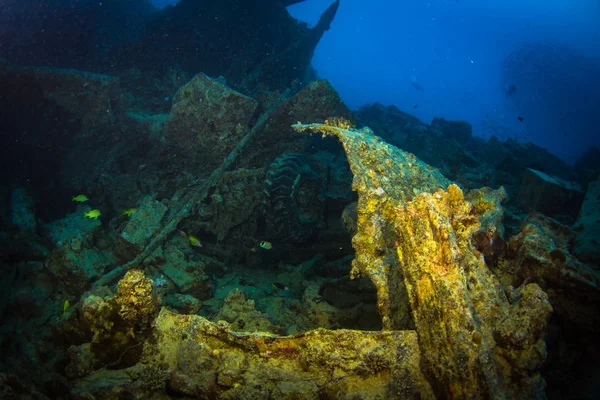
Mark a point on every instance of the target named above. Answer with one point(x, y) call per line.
point(382, 173)
point(209, 358)
point(188, 355)
point(413, 241)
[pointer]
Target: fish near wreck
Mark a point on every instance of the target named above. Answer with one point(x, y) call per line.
point(413, 241)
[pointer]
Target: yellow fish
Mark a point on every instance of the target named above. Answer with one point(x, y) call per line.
point(82, 198)
point(266, 245)
point(194, 241)
point(66, 306)
point(129, 211)
point(93, 214)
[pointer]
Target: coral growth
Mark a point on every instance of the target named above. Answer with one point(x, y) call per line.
point(120, 323)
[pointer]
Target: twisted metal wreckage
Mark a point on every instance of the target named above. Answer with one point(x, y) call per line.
point(470, 338)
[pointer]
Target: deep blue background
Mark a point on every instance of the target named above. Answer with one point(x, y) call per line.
point(457, 50)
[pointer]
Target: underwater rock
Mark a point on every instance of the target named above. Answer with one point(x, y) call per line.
point(587, 241)
point(23, 246)
point(414, 241)
point(140, 228)
point(22, 211)
point(392, 124)
point(209, 119)
point(550, 195)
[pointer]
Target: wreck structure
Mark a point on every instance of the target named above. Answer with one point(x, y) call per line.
point(450, 330)
point(382, 278)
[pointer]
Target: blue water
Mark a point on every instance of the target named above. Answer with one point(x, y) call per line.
point(457, 51)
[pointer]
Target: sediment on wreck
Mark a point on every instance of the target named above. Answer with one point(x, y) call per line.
point(413, 241)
